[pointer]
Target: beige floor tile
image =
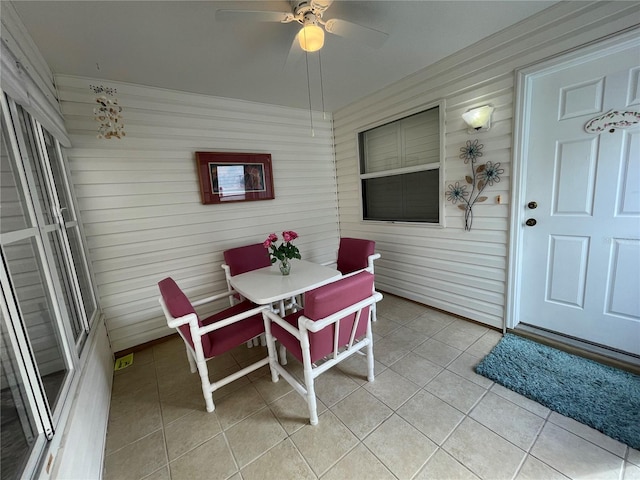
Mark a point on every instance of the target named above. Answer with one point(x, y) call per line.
point(457, 337)
point(417, 369)
point(281, 462)
point(182, 403)
point(190, 431)
point(631, 472)
point(389, 350)
point(158, 412)
point(575, 457)
point(162, 474)
point(428, 324)
point(243, 403)
point(590, 434)
point(524, 402)
point(432, 416)
point(402, 448)
point(211, 460)
point(134, 404)
point(508, 420)
point(483, 452)
point(465, 366)
point(324, 444)
point(132, 426)
point(534, 469)
point(254, 435)
point(269, 390)
point(355, 367)
point(437, 352)
point(487, 342)
point(391, 388)
point(133, 379)
point(292, 411)
point(333, 385)
point(455, 390)
point(359, 463)
point(361, 412)
point(138, 460)
point(442, 466)
point(384, 325)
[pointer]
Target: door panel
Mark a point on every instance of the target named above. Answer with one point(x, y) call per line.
point(581, 260)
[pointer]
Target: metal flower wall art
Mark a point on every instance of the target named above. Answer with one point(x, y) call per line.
point(107, 113)
point(482, 175)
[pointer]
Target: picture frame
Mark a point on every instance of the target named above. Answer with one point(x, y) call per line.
point(226, 177)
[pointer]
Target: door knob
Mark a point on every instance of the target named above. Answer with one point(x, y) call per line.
point(532, 205)
point(530, 222)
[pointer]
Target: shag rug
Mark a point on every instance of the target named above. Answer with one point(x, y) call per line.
point(603, 397)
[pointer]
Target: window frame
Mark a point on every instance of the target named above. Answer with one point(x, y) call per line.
point(440, 104)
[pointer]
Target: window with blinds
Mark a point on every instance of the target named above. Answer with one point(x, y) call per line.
point(400, 169)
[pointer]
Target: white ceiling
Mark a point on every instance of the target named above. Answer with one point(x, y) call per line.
point(180, 45)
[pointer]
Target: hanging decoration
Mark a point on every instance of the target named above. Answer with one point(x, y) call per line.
point(108, 113)
point(611, 120)
point(481, 176)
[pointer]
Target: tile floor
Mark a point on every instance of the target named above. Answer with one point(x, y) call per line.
point(426, 416)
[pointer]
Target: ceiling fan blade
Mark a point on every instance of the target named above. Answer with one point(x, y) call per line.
point(321, 5)
point(369, 36)
point(255, 15)
point(294, 55)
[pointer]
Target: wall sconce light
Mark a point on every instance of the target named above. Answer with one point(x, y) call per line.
point(478, 119)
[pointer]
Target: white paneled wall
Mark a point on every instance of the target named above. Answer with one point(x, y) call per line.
point(463, 272)
point(140, 200)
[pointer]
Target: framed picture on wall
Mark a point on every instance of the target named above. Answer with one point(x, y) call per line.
point(234, 177)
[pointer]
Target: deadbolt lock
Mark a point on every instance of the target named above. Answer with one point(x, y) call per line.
point(532, 205)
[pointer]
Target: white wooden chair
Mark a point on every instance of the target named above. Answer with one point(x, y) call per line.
point(334, 324)
point(212, 336)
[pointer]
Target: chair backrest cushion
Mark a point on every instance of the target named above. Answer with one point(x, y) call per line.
point(332, 298)
point(179, 305)
point(247, 258)
point(353, 254)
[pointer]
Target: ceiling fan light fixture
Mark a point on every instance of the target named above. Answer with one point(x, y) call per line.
point(311, 38)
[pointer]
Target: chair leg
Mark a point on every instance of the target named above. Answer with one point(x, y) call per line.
point(273, 354)
point(283, 355)
point(192, 361)
point(370, 361)
point(311, 395)
point(206, 385)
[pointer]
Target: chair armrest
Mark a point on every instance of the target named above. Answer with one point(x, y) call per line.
point(371, 258)
point(269, 315)
point(213, 298)
point(317, 325)
point(231, 320)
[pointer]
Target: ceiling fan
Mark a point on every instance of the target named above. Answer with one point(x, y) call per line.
point(309, 14)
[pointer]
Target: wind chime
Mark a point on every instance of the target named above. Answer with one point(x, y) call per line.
point(108, 113)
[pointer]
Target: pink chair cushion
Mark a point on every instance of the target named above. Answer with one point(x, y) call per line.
point(219, 341)
point(353, 254)
point(235, 334)
point(247, 258)
point(321, 303)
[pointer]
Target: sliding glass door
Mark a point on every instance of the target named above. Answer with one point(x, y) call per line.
point(47, 297)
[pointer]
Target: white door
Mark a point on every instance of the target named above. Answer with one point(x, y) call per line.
point(580, 272)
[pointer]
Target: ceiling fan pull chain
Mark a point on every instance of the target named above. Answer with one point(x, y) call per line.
point(324, 115)
point(306, 58)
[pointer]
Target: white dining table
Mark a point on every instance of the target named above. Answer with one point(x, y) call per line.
point(267, 285)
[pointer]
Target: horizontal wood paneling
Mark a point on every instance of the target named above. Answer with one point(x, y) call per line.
point(140, 200)
point(448, 268)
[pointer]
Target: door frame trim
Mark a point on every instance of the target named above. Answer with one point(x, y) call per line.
point(524, 77)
